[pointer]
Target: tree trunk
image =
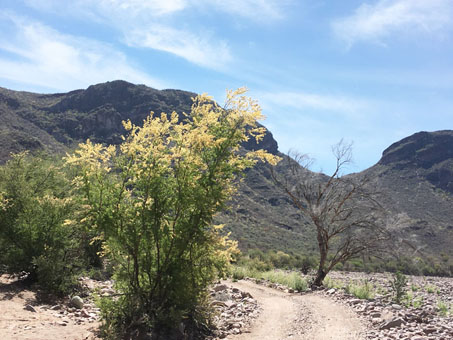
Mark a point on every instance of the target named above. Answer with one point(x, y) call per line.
point(320, 276)
point(323, 251)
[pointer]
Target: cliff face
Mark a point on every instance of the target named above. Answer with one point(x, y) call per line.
point(430, 154)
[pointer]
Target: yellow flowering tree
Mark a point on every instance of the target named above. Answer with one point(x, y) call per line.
point(152, 200)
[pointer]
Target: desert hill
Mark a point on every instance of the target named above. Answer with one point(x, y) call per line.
point(416, 175)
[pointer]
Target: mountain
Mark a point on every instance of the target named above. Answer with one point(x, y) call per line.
point(414, 175)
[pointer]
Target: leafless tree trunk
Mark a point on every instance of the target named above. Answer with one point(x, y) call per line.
point(343, 209)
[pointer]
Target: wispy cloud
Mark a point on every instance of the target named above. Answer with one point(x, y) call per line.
point(253, 9)
point(37, 55)
point(153, 8)
point(198, 49)
point(314, 101)
point(257, 10)
point(375, 23)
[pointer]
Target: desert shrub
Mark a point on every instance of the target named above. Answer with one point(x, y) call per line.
point(414, 287)
point(431, 289)
point(361, 291)
point(280, 259)
point(290, 279)
point(35, 235)
point(259, 265)
point(330, 283)
point(399, 286)
point(443, 308)
point(238, 273)
point(267, 260)
point(256, 254)
point(307, 263)
point(411, 301)
point(151, 201)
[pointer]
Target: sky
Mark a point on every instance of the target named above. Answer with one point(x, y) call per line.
point(369, 72)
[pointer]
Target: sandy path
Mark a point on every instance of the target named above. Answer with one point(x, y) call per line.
point(299, 317)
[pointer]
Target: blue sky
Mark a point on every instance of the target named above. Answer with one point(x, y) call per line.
point(371, 72)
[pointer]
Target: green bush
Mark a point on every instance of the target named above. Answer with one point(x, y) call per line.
point(362, 291)
point(330, 283)
point(411, 301)
point(443, 308)
point(35, 235)
point(399, 286)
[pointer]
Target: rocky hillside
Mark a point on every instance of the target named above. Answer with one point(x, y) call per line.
point(415, 174)
point(416, 177)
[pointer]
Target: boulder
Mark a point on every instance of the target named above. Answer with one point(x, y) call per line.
point(76, 302)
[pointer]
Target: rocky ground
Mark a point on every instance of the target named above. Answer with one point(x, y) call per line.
point(426, 313)
point(235, 310)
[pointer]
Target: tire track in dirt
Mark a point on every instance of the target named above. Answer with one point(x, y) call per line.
point(298, 317)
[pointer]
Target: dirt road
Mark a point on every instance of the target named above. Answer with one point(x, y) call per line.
point(299, 317)
point(283, 317)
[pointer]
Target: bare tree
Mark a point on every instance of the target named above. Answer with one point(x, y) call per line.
point(343, 210)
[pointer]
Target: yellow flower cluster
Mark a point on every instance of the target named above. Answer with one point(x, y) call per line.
point(3, 202)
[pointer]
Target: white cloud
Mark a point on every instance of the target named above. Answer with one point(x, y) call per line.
point(257, 10)
point(155, 7)
point(106, 8)
point(304, 100)
point(376, 22)
point(194, 48)
point(40, 56)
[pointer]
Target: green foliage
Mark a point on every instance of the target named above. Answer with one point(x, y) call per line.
point(410, 266)
point(399, 286)
point(35, 235)
point(307, 263)
point(151, 202)
point(330, 283)
point(411, 301)
point(238, 273)
point(361, 291)
point(443, 308)
point(430, 289)
point(414, 288)
point(267, 260)
point(290, 279)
